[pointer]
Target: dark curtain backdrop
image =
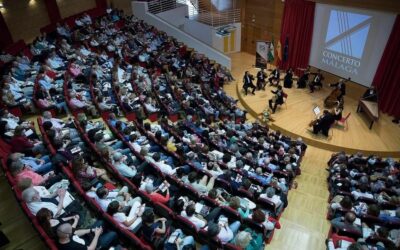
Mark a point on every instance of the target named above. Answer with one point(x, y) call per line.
point(297, 29)
point(5, 35)
point(387, 76)
point(53, 11)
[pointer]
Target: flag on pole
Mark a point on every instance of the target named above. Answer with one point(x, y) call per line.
point(271, 52)
point(279, 50)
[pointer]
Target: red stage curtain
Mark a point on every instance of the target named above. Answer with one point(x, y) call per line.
point(5, 37)
point(53, 11)
point(387, 75)
point(297, 28)
point(102, 4)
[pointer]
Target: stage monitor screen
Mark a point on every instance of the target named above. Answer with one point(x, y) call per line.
point(349, 42)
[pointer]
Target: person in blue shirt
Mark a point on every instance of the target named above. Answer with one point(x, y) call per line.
point(41, 165)
point(388, 218)
point(263, 179)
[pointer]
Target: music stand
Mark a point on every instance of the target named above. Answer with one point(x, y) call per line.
point(316, 111)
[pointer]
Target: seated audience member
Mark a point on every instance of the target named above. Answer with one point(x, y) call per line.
point(248, 240)
point(133, 220)
point(346, 222)
point(104, 197)
point(165, 168)
point(362, 192)
point(234, 203)
point(151, 227)
point(21, 171)
point(224, 231)
point(20, 143)
point(390, 218)
point(84, 172)
point(276, 199)
point(34, 202)
point(202, 185)
point(155, 193)
point(345, 203)
point(50, 223)
point(97, 238)
point(123, 168)
point(75, 103)
point(40, 165)
point(182, 242)
point(260, 217)
point(190, 214)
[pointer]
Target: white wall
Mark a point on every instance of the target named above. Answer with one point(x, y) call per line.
point(140, 11)
point(175, 16)
point(199, 30)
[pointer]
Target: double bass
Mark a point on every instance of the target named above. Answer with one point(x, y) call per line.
point(331, 100)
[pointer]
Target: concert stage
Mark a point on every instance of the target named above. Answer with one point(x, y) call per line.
point(293, 117)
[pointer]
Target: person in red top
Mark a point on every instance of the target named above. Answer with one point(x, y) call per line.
point(20, 143)
point(155, 196)
point(21, 171)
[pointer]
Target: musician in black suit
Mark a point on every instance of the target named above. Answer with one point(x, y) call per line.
point(261, 75)
point(288, 80)
point(316, 82)
point(302, 82)
point(324, 123)
point(341, 85)
point(248, 82)
point(277, 99)
point(274, 76)
point(370, 94)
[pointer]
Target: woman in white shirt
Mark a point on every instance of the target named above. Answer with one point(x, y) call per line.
point(189, 213)
point(133, 220)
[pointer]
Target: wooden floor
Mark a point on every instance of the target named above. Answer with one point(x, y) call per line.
point(304, 224)
point(294, 117)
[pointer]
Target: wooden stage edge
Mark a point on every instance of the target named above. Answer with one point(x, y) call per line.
point(319, 143)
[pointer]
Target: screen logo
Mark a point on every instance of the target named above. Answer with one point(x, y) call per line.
point(346, 36)
point(347, 33)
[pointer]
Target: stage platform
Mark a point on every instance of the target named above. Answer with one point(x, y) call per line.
point(293, 117)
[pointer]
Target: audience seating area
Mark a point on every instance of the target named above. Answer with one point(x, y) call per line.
point(364, 201)
point(150, 147)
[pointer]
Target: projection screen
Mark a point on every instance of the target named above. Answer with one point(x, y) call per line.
point(349, 42)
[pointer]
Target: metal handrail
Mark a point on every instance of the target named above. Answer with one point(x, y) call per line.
point(214, 19)
point(158, 6)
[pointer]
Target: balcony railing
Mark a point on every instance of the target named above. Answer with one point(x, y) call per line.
point(214, 19)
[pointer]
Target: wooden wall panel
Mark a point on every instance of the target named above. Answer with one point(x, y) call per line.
point(124, 5)
point(72, 7)
point(24, 18)
point(261, 20)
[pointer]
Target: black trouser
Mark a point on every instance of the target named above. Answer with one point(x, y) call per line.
point(317, 127)
point(261, 84)
point(273, 107)
point(249, 86)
